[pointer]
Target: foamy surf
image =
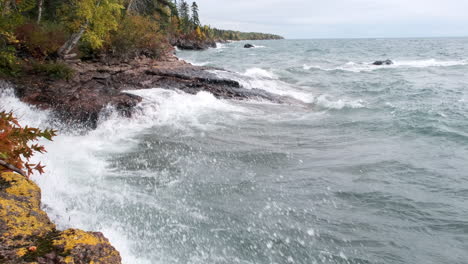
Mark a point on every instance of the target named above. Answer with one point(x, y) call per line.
point(184, 111)
point(328, 102)
point(368, 66)
point(257, 78)
point(198, 63)
point(70, 160)
point(77, 164)
point(221, 181)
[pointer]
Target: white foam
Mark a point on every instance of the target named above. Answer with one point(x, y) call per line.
point(197, 63)
point(368, 66)
point(68, 182)
point(220, 45)
point(183, 111)
point(260, 73)
point(257, 78)
point(24, 112)
point(327, 102)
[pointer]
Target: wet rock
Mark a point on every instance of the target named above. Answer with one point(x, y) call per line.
point(28, 236)
point(382, 62)
point(248, 46)
point(192, 44)
point(97, 85)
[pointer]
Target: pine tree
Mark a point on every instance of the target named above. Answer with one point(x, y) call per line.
point(195, 17)
point(184, 13)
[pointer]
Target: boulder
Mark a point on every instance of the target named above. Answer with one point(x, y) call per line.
point(193, 44)
point(28, 236)
point(248, 46)
point(382, 62)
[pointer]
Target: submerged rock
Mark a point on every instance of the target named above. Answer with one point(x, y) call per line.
point(382, 62)
point(28, 236)
point(248, 46)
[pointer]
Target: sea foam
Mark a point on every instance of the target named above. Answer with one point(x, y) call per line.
point(368, 66)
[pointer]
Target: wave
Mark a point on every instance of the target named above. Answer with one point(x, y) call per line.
point(220, 45)
point(258, 78)
point(327, 102)
point(197, 63)
point(183, 111)
point(24, 112)
point(260, 73)
point(367, 66)
point(74, 185)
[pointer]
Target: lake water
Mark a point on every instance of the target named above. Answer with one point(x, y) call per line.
point(370, 167)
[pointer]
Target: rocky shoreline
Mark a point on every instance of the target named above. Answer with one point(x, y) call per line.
point(96, 85)
point(28, 235)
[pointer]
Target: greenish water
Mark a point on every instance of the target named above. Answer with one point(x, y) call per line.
point(371, 168)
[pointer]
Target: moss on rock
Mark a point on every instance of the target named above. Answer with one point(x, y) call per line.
point(28, 236)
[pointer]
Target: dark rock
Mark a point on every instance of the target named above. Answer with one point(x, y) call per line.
point(191, 44)
point(248, 46)
point(382, 62)
point(96, 85)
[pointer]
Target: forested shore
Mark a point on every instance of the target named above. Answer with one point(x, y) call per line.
point(36, 34)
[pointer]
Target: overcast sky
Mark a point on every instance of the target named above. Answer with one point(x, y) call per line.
point(340, 18)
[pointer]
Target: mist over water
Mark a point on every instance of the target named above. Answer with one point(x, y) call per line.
point(369, 167)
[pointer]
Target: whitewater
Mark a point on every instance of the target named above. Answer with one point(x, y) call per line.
point(364, 163)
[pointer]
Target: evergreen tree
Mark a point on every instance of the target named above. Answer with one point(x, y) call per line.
point(184, 13)
point(195, 17)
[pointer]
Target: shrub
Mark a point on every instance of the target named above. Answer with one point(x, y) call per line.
point(16, 148)
point(9, 64)
point(55, 70)
point(138, 35)
point(40, 41)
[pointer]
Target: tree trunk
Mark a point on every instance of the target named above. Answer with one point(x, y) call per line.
point(129, 6)
point(39, 10)
point(72, 41)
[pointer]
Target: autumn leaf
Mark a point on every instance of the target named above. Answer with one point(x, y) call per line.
point(15, 143)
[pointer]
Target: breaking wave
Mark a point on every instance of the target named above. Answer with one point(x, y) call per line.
point(367, 66)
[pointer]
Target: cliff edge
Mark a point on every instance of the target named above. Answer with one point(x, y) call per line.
point(28, 236)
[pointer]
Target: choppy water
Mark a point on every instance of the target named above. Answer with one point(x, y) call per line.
point(372, 169)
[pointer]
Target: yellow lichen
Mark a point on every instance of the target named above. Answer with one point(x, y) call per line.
point(21, 252)
point(23, 217)
point(23, 223)
point(20, 186)
point(69, 260)
point(72, 237)
point(20, 221)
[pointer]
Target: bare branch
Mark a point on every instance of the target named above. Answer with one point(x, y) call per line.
point(13, 168)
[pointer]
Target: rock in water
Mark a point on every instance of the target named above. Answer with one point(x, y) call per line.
point(28, 236)
point(248, 46)
point(383, 62)
point(190, 44)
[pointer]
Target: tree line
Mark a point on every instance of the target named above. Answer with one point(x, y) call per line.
point(50, 29)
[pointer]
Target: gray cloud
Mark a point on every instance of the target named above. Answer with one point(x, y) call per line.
point(340, 18)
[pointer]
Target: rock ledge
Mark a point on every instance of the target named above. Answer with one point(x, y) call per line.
point(28, 236)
